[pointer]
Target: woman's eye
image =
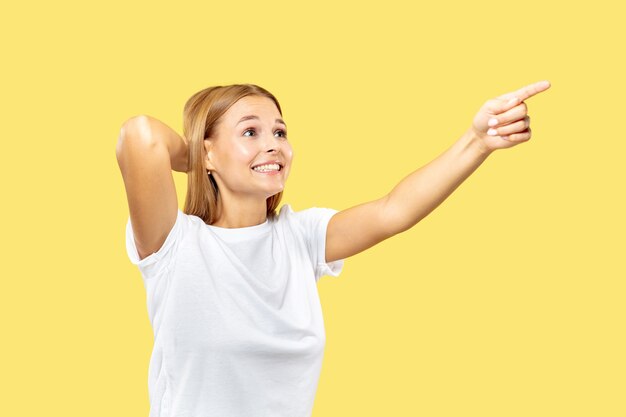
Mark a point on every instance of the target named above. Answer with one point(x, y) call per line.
point(252, 132)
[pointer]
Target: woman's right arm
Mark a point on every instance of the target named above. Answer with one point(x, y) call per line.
point(147, 151)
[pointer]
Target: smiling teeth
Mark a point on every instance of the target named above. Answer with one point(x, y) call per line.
point(268, 167)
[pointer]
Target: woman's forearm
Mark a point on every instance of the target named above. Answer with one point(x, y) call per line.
point(500, 123)
point(152, 129)
point(423, 190)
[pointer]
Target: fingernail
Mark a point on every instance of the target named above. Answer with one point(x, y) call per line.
point(492, 132)
point(512, 101)
point(493, 122)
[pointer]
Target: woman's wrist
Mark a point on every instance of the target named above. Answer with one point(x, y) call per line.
point(475, 141)
point(180, 159)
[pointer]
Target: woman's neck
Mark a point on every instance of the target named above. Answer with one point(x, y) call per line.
point(238, 213)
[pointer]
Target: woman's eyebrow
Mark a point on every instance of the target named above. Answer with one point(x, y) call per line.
point(252, 116)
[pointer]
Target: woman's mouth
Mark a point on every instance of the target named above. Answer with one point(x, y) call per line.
point(268, 168)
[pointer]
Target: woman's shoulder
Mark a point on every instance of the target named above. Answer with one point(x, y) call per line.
point(287, 209)
point(306, 215)
point(192, 220)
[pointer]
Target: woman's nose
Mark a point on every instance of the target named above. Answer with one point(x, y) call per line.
point(272, 144)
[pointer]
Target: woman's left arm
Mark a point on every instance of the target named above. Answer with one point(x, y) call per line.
point(502, 122)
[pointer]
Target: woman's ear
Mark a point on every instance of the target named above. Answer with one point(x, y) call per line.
point(207, 157)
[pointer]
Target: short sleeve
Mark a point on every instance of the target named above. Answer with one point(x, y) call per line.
point(153, 264)
point(315, 222)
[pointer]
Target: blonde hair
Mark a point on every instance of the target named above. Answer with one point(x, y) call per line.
point(201, 114)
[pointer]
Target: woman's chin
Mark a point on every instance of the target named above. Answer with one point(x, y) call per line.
point(273, 193)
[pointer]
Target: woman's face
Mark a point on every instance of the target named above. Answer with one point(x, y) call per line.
point(250, 134)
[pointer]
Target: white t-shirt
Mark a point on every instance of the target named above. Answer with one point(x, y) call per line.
point(237, 320)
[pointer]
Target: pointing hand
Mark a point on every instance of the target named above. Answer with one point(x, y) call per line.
point(503, 122)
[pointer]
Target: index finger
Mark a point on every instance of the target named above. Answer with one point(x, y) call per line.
point(528, 91)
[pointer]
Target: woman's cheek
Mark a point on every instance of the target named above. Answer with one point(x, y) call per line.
point(245, 152)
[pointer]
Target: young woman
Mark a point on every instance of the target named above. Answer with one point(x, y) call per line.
point(231, 283)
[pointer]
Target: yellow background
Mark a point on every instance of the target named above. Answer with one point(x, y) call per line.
point(507, 300)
